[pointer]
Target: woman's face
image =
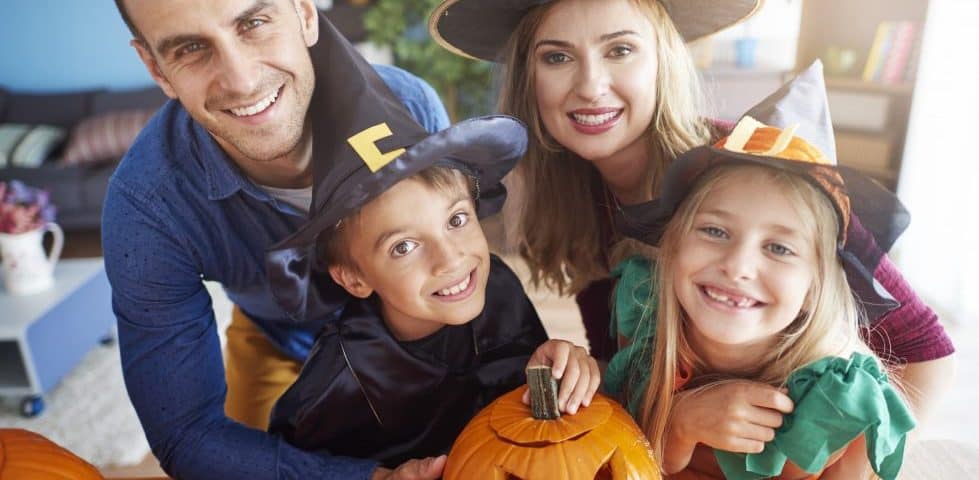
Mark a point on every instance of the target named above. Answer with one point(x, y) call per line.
point(595, 63)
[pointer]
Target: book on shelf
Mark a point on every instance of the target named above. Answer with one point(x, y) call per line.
point(911, 70)
point(903, 34)
point(878, 51)
point(892, 52)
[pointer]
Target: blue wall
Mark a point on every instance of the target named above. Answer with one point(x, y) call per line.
point(65, 45)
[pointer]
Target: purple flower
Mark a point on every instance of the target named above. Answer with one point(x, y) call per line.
point(23, 208)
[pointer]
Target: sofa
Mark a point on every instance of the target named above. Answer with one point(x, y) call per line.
point(84, 135)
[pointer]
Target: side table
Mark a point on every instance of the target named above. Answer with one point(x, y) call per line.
point(43, 336)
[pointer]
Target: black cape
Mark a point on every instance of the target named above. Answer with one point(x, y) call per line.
point(361, 393)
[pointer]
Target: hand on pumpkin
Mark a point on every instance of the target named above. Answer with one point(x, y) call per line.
point(738, 416)
point(577, 372)
point(424, 469)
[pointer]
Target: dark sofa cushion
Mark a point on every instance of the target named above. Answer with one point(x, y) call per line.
point(143, 98)
point(59, 109)
point(3, 100)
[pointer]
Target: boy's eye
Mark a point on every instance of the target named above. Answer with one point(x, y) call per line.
point(403, 248)
point(779, 249)
point(458, 220)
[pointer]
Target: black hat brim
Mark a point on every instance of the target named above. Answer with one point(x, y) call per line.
point(484, 148)
point(481, 28)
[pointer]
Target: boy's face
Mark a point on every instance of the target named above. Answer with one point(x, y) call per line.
point(422, 250)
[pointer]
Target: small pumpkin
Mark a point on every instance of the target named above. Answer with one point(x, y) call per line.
point(25, 455)
point(505, 441)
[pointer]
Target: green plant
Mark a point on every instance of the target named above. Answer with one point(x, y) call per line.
point(465, 85)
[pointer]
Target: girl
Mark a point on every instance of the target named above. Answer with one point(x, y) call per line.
point(611, 97)
point(751, 288)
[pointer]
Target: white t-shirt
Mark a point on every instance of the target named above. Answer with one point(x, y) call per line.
point(300, 198)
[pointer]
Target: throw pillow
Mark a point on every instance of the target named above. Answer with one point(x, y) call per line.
point(27, 145)
point(104, 137)
point(10, 135)
point(37, 145)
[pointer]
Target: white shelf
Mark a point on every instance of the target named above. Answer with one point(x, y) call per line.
point(18, 312)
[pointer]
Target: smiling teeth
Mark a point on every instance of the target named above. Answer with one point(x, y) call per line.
point(454, 290)
point(594, 119)
point(742, 302)
point(258, 107)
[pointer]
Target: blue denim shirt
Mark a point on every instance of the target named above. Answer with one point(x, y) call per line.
point(178, 211)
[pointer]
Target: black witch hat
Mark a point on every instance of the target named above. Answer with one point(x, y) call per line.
point(791, 130)
point(364, 142)
point(481, 28)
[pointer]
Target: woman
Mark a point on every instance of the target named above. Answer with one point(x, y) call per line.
point(611, 96)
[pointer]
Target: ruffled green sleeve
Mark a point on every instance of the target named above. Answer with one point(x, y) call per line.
point(634, 318)
point(836, 399)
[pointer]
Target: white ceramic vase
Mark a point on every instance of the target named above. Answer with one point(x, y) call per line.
point(27, 269)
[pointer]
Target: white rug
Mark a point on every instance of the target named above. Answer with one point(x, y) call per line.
point(89, 411)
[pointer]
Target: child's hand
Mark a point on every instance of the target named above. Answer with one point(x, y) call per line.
point(576, 371)
point(739, 416)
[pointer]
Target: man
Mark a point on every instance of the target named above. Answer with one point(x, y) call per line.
point(217, 177)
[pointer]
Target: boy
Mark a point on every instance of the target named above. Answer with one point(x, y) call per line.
point(433, 327)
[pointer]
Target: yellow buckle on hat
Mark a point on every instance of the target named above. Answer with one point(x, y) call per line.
point(364, 143)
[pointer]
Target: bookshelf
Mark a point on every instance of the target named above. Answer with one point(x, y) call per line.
point(870, 109)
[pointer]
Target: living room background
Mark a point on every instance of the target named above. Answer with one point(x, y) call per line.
point(60, 46)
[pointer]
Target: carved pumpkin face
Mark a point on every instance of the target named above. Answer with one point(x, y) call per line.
point(27, 455)
point(504, 441)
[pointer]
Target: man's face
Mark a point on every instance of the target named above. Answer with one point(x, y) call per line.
point(240, 67)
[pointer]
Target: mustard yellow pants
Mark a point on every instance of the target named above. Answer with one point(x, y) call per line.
point(256, 372)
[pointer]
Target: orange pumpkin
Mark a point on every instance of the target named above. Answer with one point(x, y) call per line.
point(504, 441)
point(25, 455)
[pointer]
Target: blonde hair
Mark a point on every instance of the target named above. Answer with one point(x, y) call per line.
point(557, 214)
point(826, 326)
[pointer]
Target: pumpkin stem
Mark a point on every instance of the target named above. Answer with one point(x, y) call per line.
point(543, 393)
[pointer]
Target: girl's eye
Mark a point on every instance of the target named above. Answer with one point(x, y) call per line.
point(779, 249)
point(459, 220)
point(403, 248)
point(556, 58)
point(714, 232)
point(620, 51)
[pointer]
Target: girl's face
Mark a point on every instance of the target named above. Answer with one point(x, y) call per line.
point(595, 63)
point(744, 270)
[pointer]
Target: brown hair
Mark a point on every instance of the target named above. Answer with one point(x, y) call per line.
point(555, 217)
point(333, 245)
